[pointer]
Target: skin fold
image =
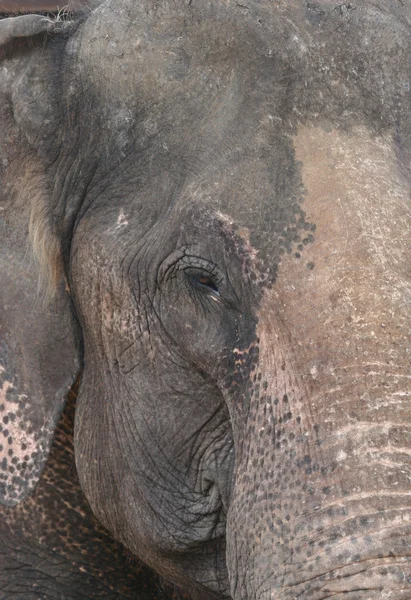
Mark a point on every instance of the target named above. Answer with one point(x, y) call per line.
point(206, 214)
point(53, 547)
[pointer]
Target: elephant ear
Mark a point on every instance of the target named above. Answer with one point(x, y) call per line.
point(25, 27)
point(38, 340)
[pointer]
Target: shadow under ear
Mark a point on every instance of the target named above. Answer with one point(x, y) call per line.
point(39, 346)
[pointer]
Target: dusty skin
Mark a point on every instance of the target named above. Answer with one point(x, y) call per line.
point(334, 327)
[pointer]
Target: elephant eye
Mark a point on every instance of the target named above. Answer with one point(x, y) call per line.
point(208, 283)
point(204, 282)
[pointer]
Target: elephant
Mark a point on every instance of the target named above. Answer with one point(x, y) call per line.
point(205, 217)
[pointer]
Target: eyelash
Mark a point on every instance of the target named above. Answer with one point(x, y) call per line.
point(204, 282)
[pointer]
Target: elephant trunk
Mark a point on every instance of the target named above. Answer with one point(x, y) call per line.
point(321, 505)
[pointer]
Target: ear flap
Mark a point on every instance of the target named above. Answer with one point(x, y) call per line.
point(25, 26)
point(38, 343)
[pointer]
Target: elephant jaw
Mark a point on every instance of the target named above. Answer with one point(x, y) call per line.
point(321, 502)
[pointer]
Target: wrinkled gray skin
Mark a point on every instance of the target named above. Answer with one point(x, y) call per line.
point(217, 195)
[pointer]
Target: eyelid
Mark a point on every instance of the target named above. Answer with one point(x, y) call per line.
point(181, 260)
point(201, 263)
point(226, 294)
point(204, 286)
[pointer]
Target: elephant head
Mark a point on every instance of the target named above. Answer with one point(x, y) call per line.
point(218, 198)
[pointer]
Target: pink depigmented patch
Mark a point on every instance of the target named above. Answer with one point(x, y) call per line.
point(20, 446)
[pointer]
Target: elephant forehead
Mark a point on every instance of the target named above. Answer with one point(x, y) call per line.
point(355, 277)
point(201, 104)
point(344, 190)
point(255, 194)
point(359, 199)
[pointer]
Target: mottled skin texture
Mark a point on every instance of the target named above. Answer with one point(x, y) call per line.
point(52, 546)
point(219, 197)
